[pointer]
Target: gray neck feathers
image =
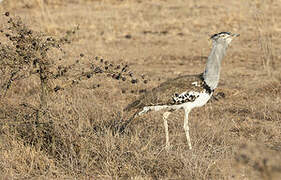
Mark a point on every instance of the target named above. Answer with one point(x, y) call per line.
point(211, 74)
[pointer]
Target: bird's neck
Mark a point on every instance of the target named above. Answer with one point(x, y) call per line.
point(211, 74)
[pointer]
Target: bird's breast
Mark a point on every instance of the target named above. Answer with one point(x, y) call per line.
point(202, 99)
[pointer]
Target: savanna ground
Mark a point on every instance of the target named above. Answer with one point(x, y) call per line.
point(59, 114)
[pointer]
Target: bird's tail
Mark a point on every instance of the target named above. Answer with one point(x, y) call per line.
point(132, 105)
point(126, 123)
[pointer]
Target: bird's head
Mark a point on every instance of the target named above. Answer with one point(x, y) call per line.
point(223, 38)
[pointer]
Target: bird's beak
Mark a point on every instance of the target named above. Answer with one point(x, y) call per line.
point(235, 35)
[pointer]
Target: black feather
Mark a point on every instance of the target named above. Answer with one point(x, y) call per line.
point(218, 34)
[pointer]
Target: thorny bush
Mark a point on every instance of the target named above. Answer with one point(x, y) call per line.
point(25, 54)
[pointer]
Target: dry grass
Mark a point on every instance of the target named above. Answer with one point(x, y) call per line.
point(73, 134)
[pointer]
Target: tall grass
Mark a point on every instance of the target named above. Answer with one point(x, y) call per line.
point(34, 126)
point(265, 41)
point(59, 113)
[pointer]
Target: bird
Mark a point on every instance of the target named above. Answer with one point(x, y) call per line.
point(184, 92)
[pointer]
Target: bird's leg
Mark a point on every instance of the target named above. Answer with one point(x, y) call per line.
point(165, 117)
point(186, 127)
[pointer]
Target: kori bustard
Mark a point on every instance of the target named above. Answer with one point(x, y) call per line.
point(185, 92)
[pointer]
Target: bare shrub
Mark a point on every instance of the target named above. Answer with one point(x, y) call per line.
point(27, 55)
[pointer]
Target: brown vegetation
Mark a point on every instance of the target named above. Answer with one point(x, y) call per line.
point(68, 68)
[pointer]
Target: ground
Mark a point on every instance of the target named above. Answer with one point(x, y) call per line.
point(236, 136)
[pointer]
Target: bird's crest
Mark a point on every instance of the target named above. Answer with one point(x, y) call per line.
point(215, 36)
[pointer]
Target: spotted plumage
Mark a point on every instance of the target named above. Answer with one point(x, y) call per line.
point(185, 97)
point(172, 92)
point(184, 92)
